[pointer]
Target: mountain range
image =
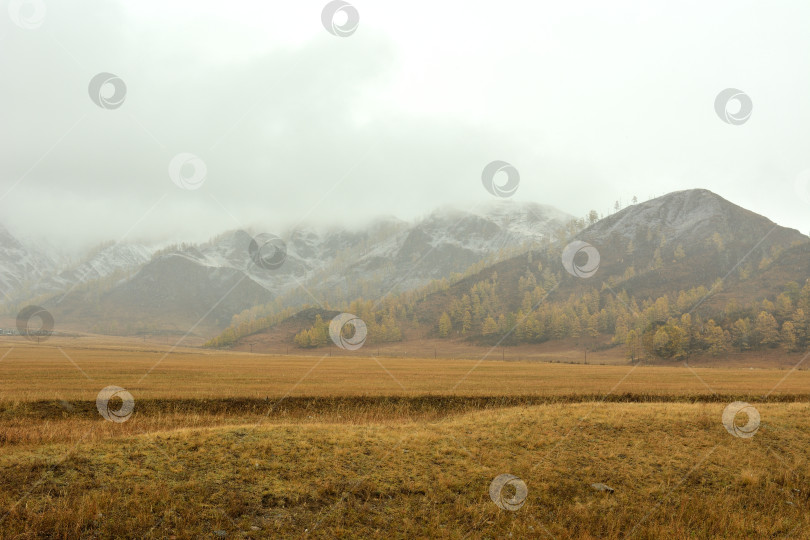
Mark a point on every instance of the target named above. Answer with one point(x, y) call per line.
point(505, 273)
point(124, 288)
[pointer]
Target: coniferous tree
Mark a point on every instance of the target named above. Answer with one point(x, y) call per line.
point(445, 325)
point(788, 336)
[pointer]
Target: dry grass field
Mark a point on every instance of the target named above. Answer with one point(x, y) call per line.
point(66, 370)
point(234, 445)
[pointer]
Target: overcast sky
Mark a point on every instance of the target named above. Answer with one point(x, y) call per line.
point(590, 101)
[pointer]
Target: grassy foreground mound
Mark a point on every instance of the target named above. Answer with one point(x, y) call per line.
point(676, 471)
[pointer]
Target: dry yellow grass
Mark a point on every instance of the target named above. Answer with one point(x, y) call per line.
point(62, 371)
point(676, 471)
point(340, 449)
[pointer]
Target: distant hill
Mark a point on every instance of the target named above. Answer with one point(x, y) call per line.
point(689, 252)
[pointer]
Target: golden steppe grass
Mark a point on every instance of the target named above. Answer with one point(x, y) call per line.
point(252, 446)
point(63, 371)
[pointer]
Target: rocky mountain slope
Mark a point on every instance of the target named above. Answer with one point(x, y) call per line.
point(21, 267)
point(127, 288)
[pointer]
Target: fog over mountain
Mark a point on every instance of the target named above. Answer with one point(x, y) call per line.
point(296, 126)
point(128, 287)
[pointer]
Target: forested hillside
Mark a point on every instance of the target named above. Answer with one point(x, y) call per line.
point(683, 274)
